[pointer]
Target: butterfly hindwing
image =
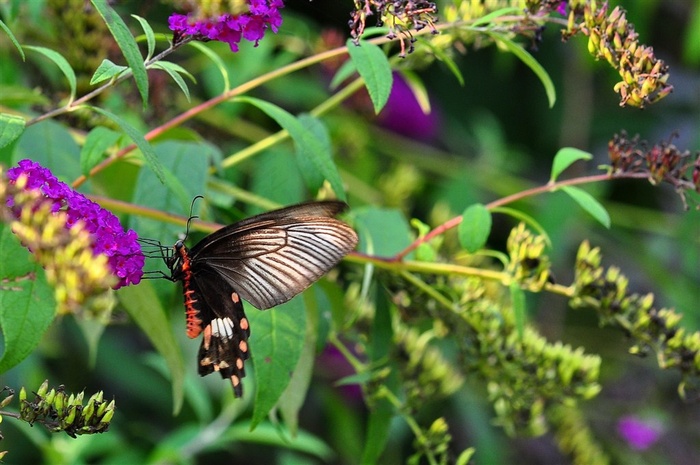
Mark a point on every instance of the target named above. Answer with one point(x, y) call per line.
point(225, 330)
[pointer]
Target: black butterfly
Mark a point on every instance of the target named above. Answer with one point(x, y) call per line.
point(266, 259)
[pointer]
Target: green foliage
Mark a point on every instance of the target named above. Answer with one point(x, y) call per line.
point(448, 332)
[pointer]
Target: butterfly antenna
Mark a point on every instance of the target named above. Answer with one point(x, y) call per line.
point(192, 216)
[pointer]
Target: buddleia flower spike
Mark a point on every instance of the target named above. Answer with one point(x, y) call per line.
point(83, 247)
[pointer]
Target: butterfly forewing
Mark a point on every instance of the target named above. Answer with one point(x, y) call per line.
point(266, 259)
point(270, 261)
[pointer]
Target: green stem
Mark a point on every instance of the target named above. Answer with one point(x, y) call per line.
point(549, 187)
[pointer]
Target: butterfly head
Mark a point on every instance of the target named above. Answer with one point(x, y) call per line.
point(177, 259)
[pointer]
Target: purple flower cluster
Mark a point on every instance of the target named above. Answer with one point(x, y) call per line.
point(122, 249)
point(231, 28)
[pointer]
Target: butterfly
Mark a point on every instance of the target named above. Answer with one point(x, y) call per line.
point(266, 260)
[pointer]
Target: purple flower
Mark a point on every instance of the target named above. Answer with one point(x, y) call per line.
point(561, 9)
point(639, 434)
point(402, 113)
point(230, 28)
point(108, 236)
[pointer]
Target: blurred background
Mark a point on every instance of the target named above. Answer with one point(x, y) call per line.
point(492, 137)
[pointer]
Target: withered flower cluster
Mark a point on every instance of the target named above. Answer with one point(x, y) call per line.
point(662, 162)
point(613, 38)
point(400, 16)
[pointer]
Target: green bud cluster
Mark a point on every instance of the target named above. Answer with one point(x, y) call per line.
point(59, 411)
point(528, 265)
point(575, 438)
point(435, 443)
point(425, 373)
point(653, 329)
point(526, 376)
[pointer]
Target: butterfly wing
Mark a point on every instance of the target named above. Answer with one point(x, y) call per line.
point(272, 257)
point(224, 327)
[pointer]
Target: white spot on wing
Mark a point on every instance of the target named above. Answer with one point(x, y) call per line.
point(222, 328)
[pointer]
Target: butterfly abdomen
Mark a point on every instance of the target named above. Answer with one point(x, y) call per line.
point(192, 304)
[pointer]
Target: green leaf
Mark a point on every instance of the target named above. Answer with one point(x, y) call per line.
point(96, 144)
point(11, 127)
point(588, 203)
point(517, 298)
point(475, 227)
point(375, 70)
point(186, 166)
point(309, 145)
point(524, 56)
point(691, 39)
point(382, 412)
point(50, 144)
point(127, 44)
point(218, 62)
point(497, 14)
point(62, 64)
point(294, 395)
point(139, 140)
point(444, 57)
point(92, 330)
point(12, 38)
point(27, 305)
point(106, 70)
point(142, 304)
point(269, 435)
point(319, 160)
point(346, 70)
point(175, 71)
point(150, 35)
point(418, 89)
point(383, 232)
point(564, 158)
point(276, 344)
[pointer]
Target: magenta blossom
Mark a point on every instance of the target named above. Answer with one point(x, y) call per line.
point(230, 28)
point(123, 252)
point(639, 434)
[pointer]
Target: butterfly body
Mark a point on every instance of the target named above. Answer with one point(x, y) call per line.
point(266, 259)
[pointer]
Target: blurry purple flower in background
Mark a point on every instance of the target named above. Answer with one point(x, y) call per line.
point(333, 367)
point(639, 434)
point(121, 248)
point(403, 114)
point(561, 9)
point(230, 27)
